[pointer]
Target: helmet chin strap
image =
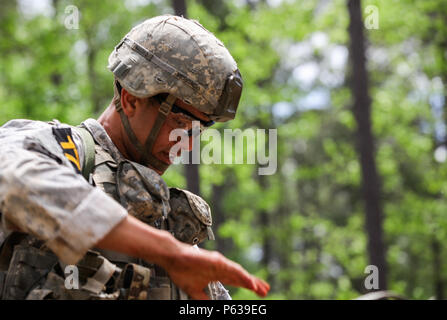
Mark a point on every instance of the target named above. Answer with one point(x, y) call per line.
point(145, 151)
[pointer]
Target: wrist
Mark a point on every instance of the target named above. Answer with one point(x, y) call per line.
point(161, 247)
point(137, 239)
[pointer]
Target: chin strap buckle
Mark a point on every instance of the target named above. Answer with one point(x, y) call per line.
point(166, 105)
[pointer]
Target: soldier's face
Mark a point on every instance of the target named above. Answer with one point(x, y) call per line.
point(142, 119)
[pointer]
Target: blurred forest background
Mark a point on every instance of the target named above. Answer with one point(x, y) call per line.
point(362, 144)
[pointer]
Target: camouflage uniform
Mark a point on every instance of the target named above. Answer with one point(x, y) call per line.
point(145, 195)
point(42, 194)
point(104, 274)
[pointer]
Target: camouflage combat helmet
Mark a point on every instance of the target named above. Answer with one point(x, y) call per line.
point(177, 56)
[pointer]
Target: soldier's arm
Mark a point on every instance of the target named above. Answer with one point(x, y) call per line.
point(189, 268)
point(39, 196)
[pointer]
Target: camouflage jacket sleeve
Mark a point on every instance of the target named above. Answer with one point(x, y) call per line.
point(41, 194)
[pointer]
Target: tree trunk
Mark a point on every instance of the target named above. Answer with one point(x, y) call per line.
point(437, 269)
point(219, 9)
point(179, 7)
point(365, 140)
point(267, 244)
point(218, 191)
point(93, 77)
point(192, 176)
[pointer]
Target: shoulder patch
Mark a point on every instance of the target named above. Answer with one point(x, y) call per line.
point(65, 139)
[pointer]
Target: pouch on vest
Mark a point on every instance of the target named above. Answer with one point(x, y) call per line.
point(142, 192)
point(29, 266)
point(134, 282)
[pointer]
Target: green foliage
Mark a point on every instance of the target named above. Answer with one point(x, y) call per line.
point(303, 227)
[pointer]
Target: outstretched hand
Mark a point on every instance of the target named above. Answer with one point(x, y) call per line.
point(193, 269)
point(190, 269)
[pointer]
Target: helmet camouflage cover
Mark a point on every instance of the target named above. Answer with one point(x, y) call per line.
point(171, 54)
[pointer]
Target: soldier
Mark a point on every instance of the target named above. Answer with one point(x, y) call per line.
point(169, 71)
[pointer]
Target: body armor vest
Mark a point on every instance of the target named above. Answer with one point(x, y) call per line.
point(28, 270)
point(144, 195)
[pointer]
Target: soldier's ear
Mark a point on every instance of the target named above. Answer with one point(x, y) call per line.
point(128, 102)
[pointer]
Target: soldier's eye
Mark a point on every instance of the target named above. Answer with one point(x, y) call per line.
point(195, 240)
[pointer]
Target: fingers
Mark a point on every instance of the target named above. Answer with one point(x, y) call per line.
point(238, 276)
point(214, 267)
point(259, 286)
point(262, 287)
